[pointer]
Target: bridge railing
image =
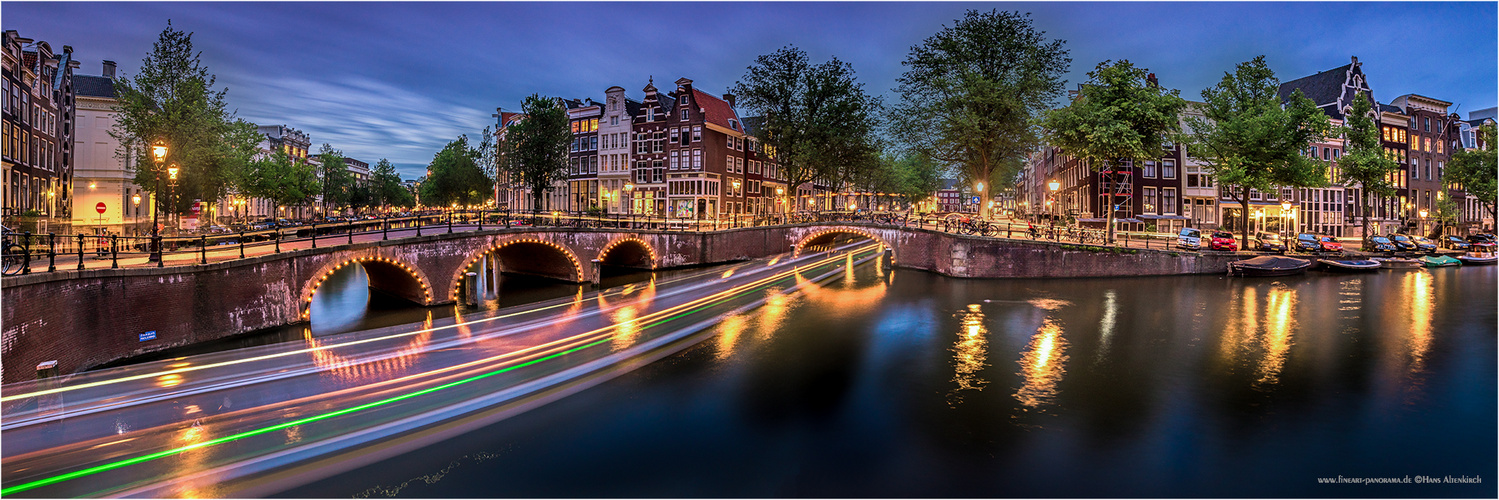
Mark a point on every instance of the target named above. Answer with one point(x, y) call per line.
point(25, 253)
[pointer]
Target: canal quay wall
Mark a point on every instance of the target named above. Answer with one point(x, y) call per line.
point(87, 318)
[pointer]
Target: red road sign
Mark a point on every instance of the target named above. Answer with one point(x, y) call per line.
point(100, 208)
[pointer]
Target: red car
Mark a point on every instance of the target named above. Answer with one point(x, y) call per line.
point(1329, 244)
point(1224, 241)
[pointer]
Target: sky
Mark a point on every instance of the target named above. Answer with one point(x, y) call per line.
point(399, 80)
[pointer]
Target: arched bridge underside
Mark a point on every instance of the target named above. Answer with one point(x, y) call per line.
point(111, 308)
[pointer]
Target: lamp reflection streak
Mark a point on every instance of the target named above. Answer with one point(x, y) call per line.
point(1277, 340)
point(970, 354)
point(1420, 286)
point(1042, 365)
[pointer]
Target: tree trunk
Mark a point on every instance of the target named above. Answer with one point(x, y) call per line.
point(1245, 217)
point(1109, 219)
point(1367, 208)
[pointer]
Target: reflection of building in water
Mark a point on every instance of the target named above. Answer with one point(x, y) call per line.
point(1042, 365)
point(969, 354)
point(1418, 287)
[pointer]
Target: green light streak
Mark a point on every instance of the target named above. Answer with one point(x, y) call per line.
point(749, 288)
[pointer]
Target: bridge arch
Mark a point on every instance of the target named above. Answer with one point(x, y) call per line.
point(827, 234)
point(385, 274)
point(524, 255)
point(628, 251)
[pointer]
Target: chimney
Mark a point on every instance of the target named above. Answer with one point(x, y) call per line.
point(109, 69)
point(729, 98)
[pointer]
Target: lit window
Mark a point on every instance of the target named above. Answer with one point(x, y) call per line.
point(697, 134)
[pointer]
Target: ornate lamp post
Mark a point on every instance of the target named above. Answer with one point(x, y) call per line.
point(136, 214)
point(1052, 197)
point(980, 189)
point(158, 157)
point(172, 200)
point(1285, 210)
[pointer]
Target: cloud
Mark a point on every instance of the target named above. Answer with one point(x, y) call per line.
point(364, 118)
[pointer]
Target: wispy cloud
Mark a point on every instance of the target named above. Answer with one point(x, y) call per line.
point(366, 119)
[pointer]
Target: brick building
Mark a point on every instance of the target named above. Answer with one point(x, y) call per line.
point(38, 117)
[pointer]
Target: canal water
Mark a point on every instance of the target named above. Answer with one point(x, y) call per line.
point(909, 384)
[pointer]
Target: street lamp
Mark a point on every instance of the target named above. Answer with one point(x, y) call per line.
point(630, 193)
point(1051, 198)
point(158, 156)
point(1285, 209)
point(172, 181)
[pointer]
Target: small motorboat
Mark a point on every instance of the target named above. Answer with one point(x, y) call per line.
point(1397, 263)
point(1268, 265)
point(1440, 261)
point(1478, 259)
point(1349, 265)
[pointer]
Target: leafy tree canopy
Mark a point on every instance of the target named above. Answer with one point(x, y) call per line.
point(1364, 159)
point(1475, 172)
point(533, 152)
point(456, 177)
point(973, 93)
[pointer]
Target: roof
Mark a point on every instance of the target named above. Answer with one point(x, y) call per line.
point(632, 107)
point(716, 111)
point(752, 125)
point(1388, 108)
point(93, 86)
point(1321, 88)
point(667, 102)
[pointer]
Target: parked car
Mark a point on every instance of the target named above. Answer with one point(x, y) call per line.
point(1380, 244)
point(1329, 244)
point(1424, 245)
point(1269, 242)
point(1307, 242)
point(1189, 238)
point(1403, 242)
point(1223, 240)
point(1481, 243)
point(1455, 242)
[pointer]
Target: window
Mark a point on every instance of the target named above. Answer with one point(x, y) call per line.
point(729, 164)
point(614, 120)
point(1168, 201)
point(697, 134)
point(650, 114)
point(593, 165)
point(1428, 170)
point(1426, 124)
point(1149, 169)
point(1147, 199)
point(673, 160)
point(1336, 153)
point(697, 159)
point(658, 172)
point(593, 143)
point(683, 140)
point(1326, 154)
point(684, 112)
point(1168, 169)
point(1439, 147)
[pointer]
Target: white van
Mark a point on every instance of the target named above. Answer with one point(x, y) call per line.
point(1189, 238)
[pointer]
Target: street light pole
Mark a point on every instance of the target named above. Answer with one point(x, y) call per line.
point(158, 157)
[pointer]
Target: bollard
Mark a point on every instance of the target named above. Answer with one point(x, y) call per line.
point(80, 251)
point(160, 255)
point(450, 222)
point(418, 226)
point(51, 252)
point(277, 239)
point(597, 267)
point(26, 250)
point(314, 235)
point(203, 248)
point(384, 228)
point(351, 233)
point(114, 251)
point(242, 244)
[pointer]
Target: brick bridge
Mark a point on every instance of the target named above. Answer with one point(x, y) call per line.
point(90, 317)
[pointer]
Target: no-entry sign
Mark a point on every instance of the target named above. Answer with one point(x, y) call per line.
point(100, 207)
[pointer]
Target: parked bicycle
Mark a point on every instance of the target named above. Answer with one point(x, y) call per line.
point(13, 257)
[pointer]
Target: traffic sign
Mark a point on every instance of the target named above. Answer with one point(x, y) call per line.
point(151, 335)
point(975, 200)
point(100, 208)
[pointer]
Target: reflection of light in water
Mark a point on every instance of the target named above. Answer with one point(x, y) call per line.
point(969, 354)
point(1106, 324)
point(168, 380)
point(848, 270)
point(728, 273)
point(1280, 324)
point(1352, 296)
point(626, 328)
point(193, 461)
point(1048, 304)
point(772, 313)
point(293, 434)
point(1239, 333)
point(1419, 284)
point(730, 329)
point(363, 368)
point(1042, 365)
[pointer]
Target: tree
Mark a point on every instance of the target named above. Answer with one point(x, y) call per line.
point(172, 99)
point(335, 178)
point(1475, 172)
point(281, 179)
point(534, 151)
point(1249, 140)
point(1118, 118)
point(456, 177)
point(973, 93)
point(816, 121)
point(385, 184)
point(1365, 160)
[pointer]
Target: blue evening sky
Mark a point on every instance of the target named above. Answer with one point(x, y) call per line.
point(399, 80)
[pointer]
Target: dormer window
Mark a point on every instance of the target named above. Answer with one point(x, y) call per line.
point(734, 124)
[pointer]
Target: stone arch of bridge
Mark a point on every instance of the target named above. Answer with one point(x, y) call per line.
point(628, 251)
point(386, 274)
point(524, 255)
point(827, 234)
